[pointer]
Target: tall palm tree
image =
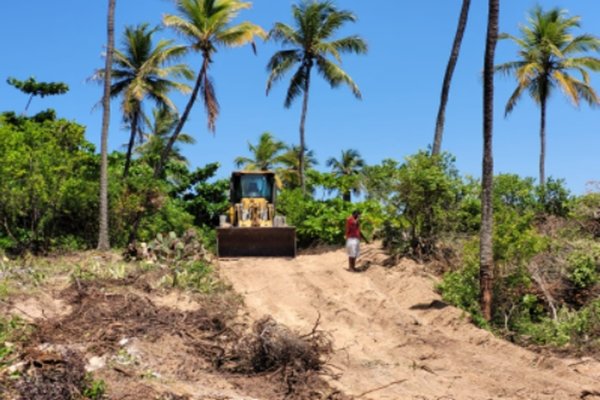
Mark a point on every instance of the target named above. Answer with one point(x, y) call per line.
point(103, 239)
point(458, 37)
point(160, 127)
point(143, 71)
point(265, 155)
point(206, 24)
point(311, 44)
point(348, 166)
point(289, 173)
point(547, 53)
point(486, 253)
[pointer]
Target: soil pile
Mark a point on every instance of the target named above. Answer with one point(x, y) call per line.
point(393, 336)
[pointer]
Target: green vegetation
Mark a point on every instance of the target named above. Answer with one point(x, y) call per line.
point(541, 246)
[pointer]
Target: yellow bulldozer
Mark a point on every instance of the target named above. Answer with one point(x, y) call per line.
point(251, 228)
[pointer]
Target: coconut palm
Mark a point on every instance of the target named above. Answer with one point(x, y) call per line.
point(289, 173)
point(347, 168)
point(486, 254)
point(310, 44)
point(160, 127)
point(265, 155)
point(206, 24)
point(103, 239)
point(548, 52)
point(143, 71)
point(441, 117)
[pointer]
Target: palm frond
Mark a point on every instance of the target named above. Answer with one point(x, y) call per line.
point(296, 86)
point(240, 34)
point(279, 64)
point(514, 98)
point(335, 76)
point(211, 104)
point(566, 83)
point(284, 34)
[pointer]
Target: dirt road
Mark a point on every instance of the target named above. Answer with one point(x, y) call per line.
point(393, 336)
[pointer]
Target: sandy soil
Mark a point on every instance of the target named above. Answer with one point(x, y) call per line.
point(395, 338)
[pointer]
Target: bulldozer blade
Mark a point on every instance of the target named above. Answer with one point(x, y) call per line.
point(256, 242)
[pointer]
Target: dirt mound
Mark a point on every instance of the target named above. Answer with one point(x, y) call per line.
point(165, 346)
point(393, 336)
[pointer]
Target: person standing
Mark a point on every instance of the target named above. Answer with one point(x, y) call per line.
point(353, 239)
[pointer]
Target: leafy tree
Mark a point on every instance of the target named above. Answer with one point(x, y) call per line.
point(207, 25)
point(34, 88)
point(289, 172)
point(347, 170)
point(49, 180)
point(486, 254)
point(311, 43)
point(379, 181)
point(203, 198)
point(425, 195)
point(265, 155)
point(143, 71)
point(548, 51)
point(458, 37)
point(103, 239)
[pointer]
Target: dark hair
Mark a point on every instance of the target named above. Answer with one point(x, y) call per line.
point(355, 213)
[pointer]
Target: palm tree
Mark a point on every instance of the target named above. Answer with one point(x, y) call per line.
point(310, 43)
point(289, 173)
point(103, 240)
point(348, 167)
point(160, 127)
point(141, 71)
point(207, 25)
point(547, 53)
point(458, 37)
point(265, 155)
point(486, 253)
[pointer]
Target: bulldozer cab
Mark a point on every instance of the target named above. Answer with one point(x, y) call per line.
point(252, 185)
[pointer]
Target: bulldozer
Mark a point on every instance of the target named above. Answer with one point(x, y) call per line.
point(251, 228)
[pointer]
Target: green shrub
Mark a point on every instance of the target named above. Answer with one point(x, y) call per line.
point(583, 269)
point(423, 201)
point(323, 221)
point(48, 175)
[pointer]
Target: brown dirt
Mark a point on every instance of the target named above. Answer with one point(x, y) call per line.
point(393, 336)
point(147, 345)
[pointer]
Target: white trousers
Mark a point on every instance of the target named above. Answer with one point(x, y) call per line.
point(353, 247)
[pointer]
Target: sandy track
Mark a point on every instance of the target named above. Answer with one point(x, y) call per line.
point(394, 338)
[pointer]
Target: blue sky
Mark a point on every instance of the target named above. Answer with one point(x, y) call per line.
point(400, 78)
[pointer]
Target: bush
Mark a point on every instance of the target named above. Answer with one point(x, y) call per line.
point(583, 268)
point(424, 200)
point(323, 221)
point(48, 175)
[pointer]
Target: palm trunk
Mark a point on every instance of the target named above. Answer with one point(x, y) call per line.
point(441, 117)
point(188, 108)
point(134, 126)
point(543, 143)
point(302, 124)
point(486, 254)
point(103, 240)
